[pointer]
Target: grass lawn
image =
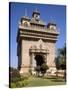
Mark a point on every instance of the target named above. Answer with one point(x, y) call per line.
point(36, 81)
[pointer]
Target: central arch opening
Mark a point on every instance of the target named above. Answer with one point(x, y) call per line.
point(39, 60)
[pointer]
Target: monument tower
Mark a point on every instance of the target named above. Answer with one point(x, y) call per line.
point(36, 43)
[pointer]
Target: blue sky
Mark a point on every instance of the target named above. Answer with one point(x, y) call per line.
point(56, 13)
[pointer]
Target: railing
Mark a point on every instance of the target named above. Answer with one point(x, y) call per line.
point(39, 28)
point(32, 27)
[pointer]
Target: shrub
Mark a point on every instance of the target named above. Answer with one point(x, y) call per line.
point(17, 80)
point(44, 68)
point(24, 83)
point(13, 85)
point(14, 75)
point(21, 83)
point(25, 76)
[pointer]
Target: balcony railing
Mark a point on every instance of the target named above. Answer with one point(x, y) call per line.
point(38, 28)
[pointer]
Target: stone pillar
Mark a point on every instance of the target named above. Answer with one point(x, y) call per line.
point(45, 58)
point(33, 63)
point(32, 60)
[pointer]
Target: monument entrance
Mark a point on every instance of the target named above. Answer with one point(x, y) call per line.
point(37, 57)
point(39, 60)
point(36, 43)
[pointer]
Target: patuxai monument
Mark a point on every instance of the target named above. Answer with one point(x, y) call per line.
point(36, 43)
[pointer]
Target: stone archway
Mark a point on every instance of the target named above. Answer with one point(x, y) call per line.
point(37, 57)
point(39, 60)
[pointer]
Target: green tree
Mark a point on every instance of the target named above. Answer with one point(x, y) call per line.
point(57, 64)
point(63, 55)
point(61, 59)
point(43, 68)
point(14, 75)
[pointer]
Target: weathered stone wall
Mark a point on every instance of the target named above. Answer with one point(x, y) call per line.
point(27, 44)
point(51, 56)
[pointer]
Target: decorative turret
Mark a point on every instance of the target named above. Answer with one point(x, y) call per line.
point(51, 25)
point(36, 15)
point(25, 19)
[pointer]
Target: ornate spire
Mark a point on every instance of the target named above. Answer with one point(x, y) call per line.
point(25, 17)
point(25, 12)
point(52, 20)
point(36, 10)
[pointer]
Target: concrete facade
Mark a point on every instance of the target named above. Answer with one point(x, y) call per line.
point(36, 39)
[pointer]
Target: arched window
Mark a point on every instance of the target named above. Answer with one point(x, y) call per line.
point(26, 24)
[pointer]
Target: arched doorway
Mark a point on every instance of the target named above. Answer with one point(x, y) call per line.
point(39, 60)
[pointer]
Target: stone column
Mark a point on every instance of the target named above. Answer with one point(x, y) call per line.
point(45, 57)
point(33, 65)
point(32, 62)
